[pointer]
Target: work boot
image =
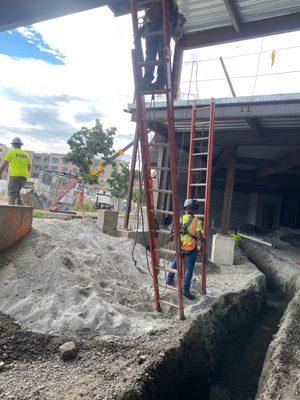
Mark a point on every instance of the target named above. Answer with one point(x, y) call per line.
point(188, 295)
point(159, 84)
point(146, 84)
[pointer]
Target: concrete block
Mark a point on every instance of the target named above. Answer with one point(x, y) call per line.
point(140, 236)
point(222, 250)
point(107, 221)
point(15, 223)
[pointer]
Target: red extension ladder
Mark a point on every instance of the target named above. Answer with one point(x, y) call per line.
point(156, 251)
point(200, 173)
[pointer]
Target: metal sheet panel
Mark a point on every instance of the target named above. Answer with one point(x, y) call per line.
point(202, 15)
point(253, 10)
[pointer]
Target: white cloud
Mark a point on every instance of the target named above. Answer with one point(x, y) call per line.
point(98, 74)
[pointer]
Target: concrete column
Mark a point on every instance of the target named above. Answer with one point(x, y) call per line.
point(107, 221)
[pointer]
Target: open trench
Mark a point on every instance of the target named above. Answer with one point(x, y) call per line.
point(222, 355)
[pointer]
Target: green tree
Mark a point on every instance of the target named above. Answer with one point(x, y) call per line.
point(88, 143)
point(119, 181)
point(136, 195)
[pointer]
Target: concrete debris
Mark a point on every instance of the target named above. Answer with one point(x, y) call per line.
point(141, 360)
point(68, 351)
point(5, 367)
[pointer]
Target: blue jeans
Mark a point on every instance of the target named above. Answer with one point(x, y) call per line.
point(189, 262)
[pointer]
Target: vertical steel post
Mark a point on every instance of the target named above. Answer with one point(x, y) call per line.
point(208, 190)
point(172, 151)
point(192, 146)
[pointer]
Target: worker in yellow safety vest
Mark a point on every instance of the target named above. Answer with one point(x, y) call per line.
point(191, 236)
point(19, 164)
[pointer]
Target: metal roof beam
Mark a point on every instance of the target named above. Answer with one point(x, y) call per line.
point(286, 162)
point(230, 111)
point(265, 27)
point(16, 13)
point(234, 14)
point(271, 137)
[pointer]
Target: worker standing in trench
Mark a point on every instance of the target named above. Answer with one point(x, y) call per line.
point(19, 164)
point(191, 236)
point(153, 23)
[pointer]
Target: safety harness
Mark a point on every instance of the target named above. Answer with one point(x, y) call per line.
point(184, 227)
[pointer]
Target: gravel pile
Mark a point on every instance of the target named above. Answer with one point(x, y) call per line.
point(69, 278)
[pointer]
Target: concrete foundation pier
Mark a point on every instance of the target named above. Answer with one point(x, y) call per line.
point(107, 221)
point(222, 250)
point(15, 223)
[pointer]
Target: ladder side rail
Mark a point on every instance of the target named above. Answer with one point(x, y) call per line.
point(192, 147)
point(172, 151)
point(208, 191)
point(145, 155)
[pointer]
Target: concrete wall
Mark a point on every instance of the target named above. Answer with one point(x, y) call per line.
point(257, 212)
point(15, 223)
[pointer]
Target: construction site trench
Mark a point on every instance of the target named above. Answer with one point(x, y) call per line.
point(239, 342)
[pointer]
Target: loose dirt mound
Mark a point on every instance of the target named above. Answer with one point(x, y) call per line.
point(70, 278)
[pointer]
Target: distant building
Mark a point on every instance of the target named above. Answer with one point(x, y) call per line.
point(51, 162)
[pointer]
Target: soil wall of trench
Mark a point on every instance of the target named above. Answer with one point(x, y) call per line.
point(188, 370)
point(192, 369)
point(280, 378)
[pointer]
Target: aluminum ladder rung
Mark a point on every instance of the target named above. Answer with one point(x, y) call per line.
point(155, 210)
point(173, 289)
point(162, 231)
point(198, 184)
point(166, 251)
point(160, 168)
point(160, 191)
point(166, 269)
point(155, 33)
point(199, 215)
point(152, 62)
point(201, 138)
point(167, 303)
point(199, 169)
point(200, 154)
point(200, 200)
point(152, 91)
point(153, 144)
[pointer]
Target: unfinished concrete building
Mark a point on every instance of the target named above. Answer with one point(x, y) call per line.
point(68, 280)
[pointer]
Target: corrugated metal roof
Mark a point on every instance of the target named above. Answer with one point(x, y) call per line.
point(203, 15)
point(253, 10)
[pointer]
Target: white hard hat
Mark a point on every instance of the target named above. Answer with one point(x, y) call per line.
point(189, 203)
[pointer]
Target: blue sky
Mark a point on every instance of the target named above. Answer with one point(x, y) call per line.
point(59, 75)
point(28, 43)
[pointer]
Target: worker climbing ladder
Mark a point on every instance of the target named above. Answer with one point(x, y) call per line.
point(142, 125)
point(200, 172)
